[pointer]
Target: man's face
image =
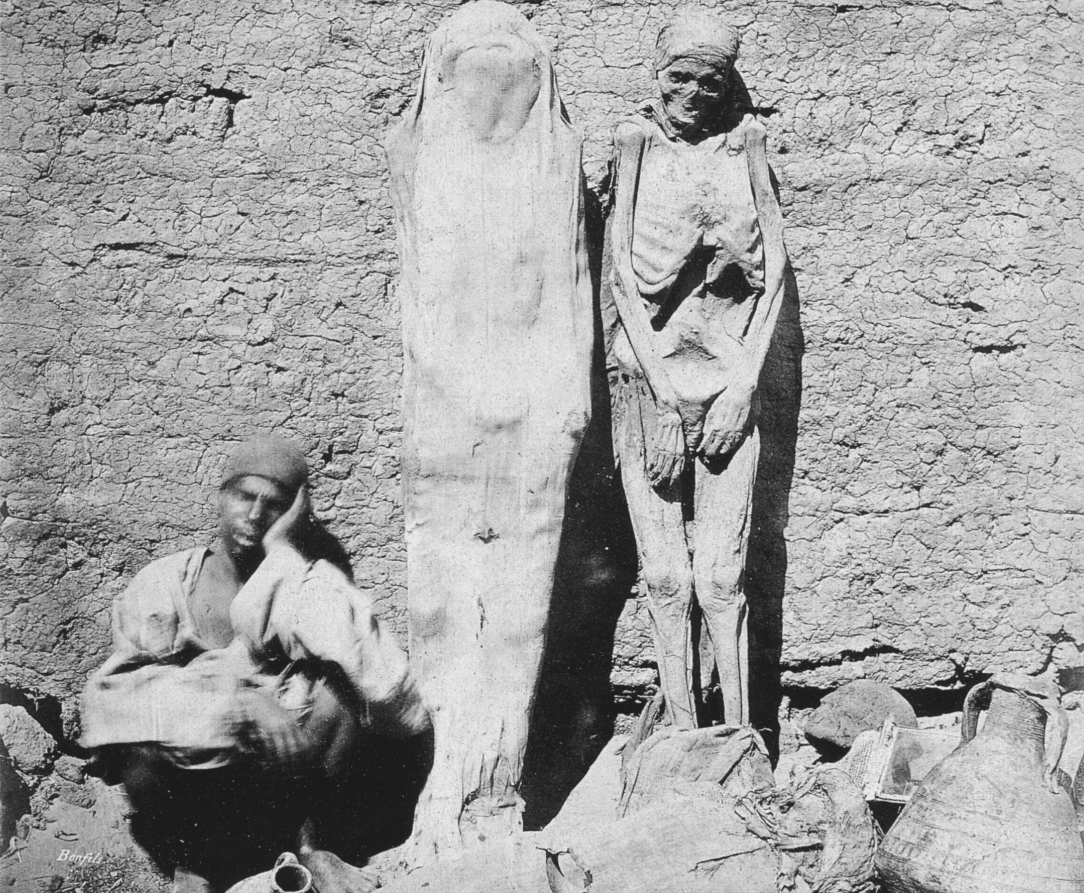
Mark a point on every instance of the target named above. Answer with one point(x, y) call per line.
point(247, 507)
point(693, 92)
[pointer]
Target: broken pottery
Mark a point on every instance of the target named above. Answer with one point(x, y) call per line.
point(890, 765)
point(859, 706)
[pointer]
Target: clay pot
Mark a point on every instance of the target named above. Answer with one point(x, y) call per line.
point(288, 876)
point(991, 817)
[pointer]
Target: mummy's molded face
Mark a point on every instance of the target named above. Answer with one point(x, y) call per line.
point(495, 84)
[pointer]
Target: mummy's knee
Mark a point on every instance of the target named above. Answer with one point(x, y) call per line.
point(667, 586)
point(721, 588)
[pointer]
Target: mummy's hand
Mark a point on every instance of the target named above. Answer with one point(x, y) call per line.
point(728, 422)
point(666, 456)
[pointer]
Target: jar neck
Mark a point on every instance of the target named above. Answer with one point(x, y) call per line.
point(1016, 718)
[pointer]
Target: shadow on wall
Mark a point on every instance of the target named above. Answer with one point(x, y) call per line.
point(766, 565)
point(573, 715)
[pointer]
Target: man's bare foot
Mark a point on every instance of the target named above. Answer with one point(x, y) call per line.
point(186, 881)
point(390, 864)
point(331, 875)
point(403, 859)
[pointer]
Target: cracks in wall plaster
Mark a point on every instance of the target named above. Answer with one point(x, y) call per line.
point(845, 656)
point(996, 348)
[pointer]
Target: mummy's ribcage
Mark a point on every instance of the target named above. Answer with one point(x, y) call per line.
point(663, 241)
point(693, 205)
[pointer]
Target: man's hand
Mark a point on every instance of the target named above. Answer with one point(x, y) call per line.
point(729, 420)
point(288, 529)
point(279, 739)
point(668, 450)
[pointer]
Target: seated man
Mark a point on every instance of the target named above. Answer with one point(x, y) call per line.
point(244, 679)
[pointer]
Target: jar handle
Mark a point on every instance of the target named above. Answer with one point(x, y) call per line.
point(970, 722)
point(1057, 733)
point(1057, 724)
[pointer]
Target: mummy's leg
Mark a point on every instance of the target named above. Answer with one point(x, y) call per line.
point(723, 505)
point(665, 567)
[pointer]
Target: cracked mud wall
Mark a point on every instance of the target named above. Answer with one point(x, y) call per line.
point(198, 245)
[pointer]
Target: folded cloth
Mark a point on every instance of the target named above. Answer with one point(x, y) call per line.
point(295, 622)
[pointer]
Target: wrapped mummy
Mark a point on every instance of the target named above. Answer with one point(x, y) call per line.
point(497, 337)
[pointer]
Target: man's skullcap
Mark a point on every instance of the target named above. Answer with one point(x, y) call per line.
point(271, 457)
